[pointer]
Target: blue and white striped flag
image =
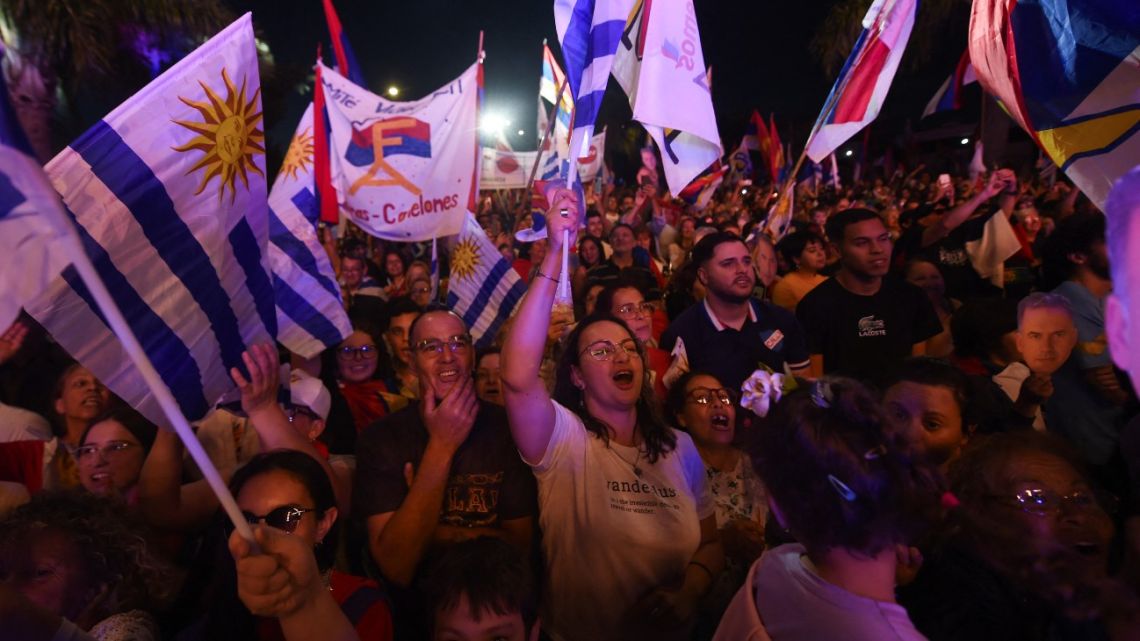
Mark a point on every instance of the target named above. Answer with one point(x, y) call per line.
point(30, 256)
point(483, 288)
point(310, 314)
point(589, 32)
point(169, 194)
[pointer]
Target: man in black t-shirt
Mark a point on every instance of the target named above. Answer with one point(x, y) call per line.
point(859, 323)
point(730, 334)
point(444, 469)
point(623, 263)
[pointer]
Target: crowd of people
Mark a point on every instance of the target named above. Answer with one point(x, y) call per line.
point(900, 420)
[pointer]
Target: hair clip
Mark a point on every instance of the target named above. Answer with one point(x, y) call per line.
point(949, 501)
point(844, 492)
point(821, 394)
point(875, 452)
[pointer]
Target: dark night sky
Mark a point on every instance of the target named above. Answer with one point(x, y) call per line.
point(758, 50)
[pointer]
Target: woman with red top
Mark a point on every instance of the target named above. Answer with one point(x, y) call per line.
point(359, 375)
point(624, 300)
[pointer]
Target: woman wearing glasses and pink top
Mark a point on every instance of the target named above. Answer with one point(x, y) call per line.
point(629, 534)
point(625, 300)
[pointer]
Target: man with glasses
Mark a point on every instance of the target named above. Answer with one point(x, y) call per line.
point(731, 334)
point(445, 469)
point(355, 281)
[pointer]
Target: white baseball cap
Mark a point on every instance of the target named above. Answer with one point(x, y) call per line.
point(306, 391)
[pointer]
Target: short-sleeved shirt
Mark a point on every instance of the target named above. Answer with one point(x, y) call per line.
point(866, 337)
point(770, 336)
point(797, 605)
point(1076, 410)
point(611, 536)
point(487, 485)
point(950, 255)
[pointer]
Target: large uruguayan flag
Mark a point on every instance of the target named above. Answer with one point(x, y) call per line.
point(483, 288)
point(661, 67)
point(589, 32)
point(310, 315)
point(30, 253)
point(168, 191)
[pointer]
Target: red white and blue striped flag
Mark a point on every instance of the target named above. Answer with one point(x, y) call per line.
point(866, 77)
point(949, 95)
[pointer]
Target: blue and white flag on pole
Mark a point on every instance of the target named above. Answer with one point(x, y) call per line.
point(483, 288)
point(30, 256)
point(168, 193)
point(310, 314)
point(589, 32)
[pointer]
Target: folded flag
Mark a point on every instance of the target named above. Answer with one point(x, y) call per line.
point(949, 95)
point(548, 87)
point(1068, 72)
point(346, 62)
point(168, 193)
point(310, 313)
point(865, 79)
point(483, 288)
point(758, 138)
point(31, 254)
point(661, 67)
point(740, 164)
point(699, 192)
point(403, 170)
point(778, 163)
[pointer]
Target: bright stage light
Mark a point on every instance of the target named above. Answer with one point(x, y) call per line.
point(521, 132)
point(393, 91)
point(965, 141)
point(494, 122)
point(848, 153)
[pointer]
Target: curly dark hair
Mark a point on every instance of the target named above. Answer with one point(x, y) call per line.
point(109, 543)
point(659, 437)
point(836, 474)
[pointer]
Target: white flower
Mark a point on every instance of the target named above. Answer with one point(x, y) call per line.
point(760, 391)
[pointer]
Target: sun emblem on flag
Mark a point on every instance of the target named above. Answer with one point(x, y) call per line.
point(228, 136)
point(465, 259)
point(300, 155)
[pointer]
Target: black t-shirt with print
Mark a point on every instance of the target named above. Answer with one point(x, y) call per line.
point(949, 254)
point(866, 337)
point(488, 482)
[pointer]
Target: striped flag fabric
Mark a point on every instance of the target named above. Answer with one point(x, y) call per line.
point(483, 288)
point(949, 95)
point(1068, 72)
point(589, 32)
point(661, 68)
point(31, 255)
point(169, 196)
point(310, 312)
point(346, 62)
point(548, 86)
point(779, 162)
point(863, 83)
point(699, 192)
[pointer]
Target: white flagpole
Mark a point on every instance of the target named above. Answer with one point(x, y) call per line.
point(74, 247)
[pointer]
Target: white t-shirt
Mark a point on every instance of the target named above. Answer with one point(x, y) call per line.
point(611, 537)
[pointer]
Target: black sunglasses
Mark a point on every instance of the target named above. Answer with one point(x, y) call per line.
point(284, 518)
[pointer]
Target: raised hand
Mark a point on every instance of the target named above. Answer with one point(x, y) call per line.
point(281, 578)
point(11, 341)
point(562, 199)
point(260, 390)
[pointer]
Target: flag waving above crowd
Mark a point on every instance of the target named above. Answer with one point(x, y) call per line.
point(168, 193)
point(310, 313)
point(403, 170)
point(1069, 73)
point(866, 77)
point(661, 67)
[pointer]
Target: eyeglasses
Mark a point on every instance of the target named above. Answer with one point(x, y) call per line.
point(644, 308)
point(432, 347)
point(605, 350)
point(109, 450)
point(421, 290)
point(293, 412)
point(705, 396)
point(365, 352)
point(284, 518)
point(1042, 502)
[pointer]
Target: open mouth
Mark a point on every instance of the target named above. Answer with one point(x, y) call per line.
point(92, 401)
point(624, 379)
point(720, 422)
point(1088, 550)
point(448, 375)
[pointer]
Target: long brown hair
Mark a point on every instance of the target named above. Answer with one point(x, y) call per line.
point(659, 437)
